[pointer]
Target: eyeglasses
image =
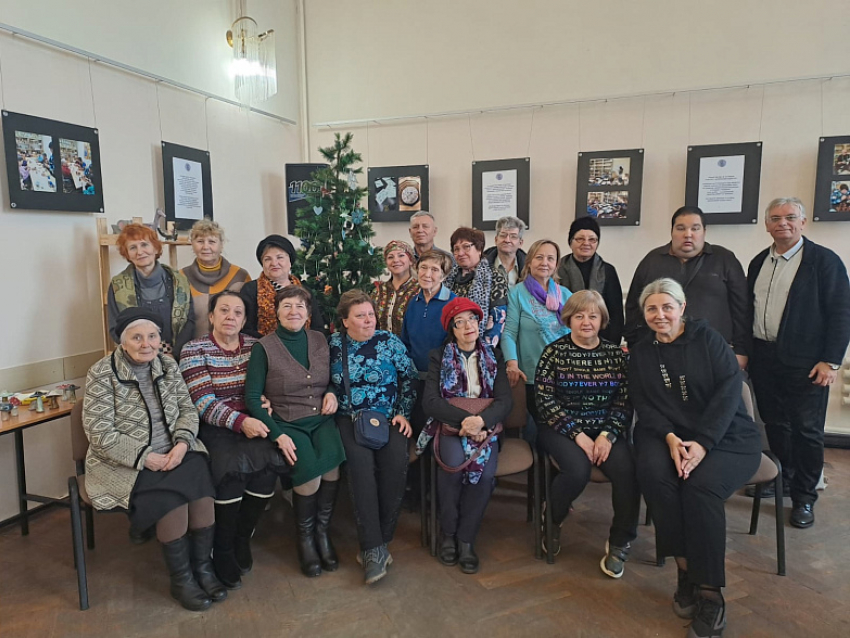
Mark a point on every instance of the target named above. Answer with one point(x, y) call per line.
point(510, 236)
point(460, 323)
point(462, 248)
point(788, 218)
point(586, 240)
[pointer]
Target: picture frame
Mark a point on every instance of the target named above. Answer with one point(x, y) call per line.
point(609, 186)
point(187, 181)
point(396, 192)
point(723, 180)
point(832, 180)
point(52, 165)
point(499, 188)
point(299, 183)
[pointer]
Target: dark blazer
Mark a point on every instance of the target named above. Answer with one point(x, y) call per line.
point(815, 324)
point(492, 253)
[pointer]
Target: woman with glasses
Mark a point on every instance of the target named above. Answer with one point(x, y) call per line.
point(473, 278)
point(584, 269)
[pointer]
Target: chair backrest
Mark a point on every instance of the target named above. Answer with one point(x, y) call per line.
point(747, 395)
point(517, 417)
point(79, 441)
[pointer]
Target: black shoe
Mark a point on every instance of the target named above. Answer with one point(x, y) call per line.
point(686, 597)
point(184, 587)
point(375, 563)
point(305, 528)
point(202, 565)
point(140, 538)
point(556, 534)
point(803, 515)
point(224, 545)
point(325, 510)
point(250, 510)
point(767, 491)
point(710, 619)
point(448, 549)
point(467, 558)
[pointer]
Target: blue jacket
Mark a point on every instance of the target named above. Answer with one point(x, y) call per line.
point(422, 330)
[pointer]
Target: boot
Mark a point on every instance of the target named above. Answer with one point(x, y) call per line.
point(202, 565)
point(184, 587)
point(249, 513)
point(224, 552)
point(326, 500)
point(467, 558)
point(305, 528)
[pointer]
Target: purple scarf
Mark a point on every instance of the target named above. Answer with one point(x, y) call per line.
point(550, 298)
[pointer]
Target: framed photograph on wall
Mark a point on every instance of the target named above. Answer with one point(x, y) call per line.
point(52, 165)
point(186, 176)
point(832, 183)
point(396, 192)
point(500, 188)
point(299, 184)
point(609, 186)
point(723, 180)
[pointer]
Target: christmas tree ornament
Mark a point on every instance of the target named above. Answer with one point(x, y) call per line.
point(318, 210)
point(352, 180)
point(357, 216)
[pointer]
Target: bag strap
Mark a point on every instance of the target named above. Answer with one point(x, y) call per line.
point(346, 379)
point(471, 459)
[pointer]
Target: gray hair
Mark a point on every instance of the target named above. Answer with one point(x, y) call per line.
point(122, 339)
point(509, 223)
point(663, 286)
point(781, 201)
point(422, 213)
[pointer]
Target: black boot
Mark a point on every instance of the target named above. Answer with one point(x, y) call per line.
point(224, 546)
point(305, 529)
point(249, 513)
point(467, 558)
point(325, 509)
point(202, 565)
point(184, 587)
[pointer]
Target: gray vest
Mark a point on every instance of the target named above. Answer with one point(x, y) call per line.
point(294, 391)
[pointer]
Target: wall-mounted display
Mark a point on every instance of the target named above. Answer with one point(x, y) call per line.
point(188, 184)
point(52, 165)
point(500, 188)
point(832, 183)
point(609, 186)
point(299, 184)
point(396, 192)
point(723, 180)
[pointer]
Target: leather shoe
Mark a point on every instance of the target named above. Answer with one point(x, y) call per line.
point(468, 559)
point(448, 549)
point(767, 491)
point(803, 515)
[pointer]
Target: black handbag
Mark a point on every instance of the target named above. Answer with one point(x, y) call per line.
point(371, 428)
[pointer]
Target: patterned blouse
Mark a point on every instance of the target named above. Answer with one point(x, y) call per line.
point(383, 376)
point(392, 303)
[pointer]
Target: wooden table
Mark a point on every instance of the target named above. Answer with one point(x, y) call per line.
point(17, 425)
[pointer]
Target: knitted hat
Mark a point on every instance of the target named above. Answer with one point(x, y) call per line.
point(278, 241)
point(457, 306)
point(583, 223)
point(397, 244)
point(133, 314)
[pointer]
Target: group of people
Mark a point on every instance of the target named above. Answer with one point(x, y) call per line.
point(193, 449)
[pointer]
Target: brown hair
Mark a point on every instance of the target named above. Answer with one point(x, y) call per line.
point(443, 260)
point(353, 297)
point(585, 300)
point(293, 292)
point(224, 293)
point(535, 248)
point(136, 232)
point(472, 235)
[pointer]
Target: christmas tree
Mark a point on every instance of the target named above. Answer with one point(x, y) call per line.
point(336, 252)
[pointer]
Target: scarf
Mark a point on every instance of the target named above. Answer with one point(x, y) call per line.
point(210, 281)
point(551, 298)
point(571, 277)
point(477, 286)
point(266, 291)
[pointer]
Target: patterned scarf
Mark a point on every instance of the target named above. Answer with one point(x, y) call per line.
point(266, 291)
point(477, 286)
point(551, 298)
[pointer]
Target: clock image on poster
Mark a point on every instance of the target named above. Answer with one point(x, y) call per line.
point(409, 193)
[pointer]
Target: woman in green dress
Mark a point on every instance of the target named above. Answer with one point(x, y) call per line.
point(291, 367)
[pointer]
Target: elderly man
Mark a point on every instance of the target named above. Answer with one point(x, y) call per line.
point(507, 255)
point(712, 277)
point(423, 230)
point(800, 317)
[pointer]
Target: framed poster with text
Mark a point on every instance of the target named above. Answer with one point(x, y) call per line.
point(723, 180)
point(832, 183)
point(299, 184)
point(188, 185)
point(396, 192)
point(500, 188)
point(609, 186)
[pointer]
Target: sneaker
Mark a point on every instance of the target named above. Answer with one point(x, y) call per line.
point(614, 562)
point(556, 540)
point(710, 619)
point(686, 597)
point(375, 563)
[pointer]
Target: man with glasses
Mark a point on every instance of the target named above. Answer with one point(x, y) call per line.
point(800, 317)
point(507, 256)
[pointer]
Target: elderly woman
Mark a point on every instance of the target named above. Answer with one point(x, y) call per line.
point(290, 368)
point(210, 273)
point(695, 445)
point(244, 465)
point(144, 454)
point(276, 255)
point(146, 283)
point(392, 296)
point(473, 278)
point(465, 367)
point(585, 415)
point(584, 269)
point(382, 378)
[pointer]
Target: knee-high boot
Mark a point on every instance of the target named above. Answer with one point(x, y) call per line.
point(184, 587)
point(305, 528)
point(326, 502)
point(202, 565)
point(249, 513)
point(224, 546)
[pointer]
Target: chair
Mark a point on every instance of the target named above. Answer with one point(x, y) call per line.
point(515, 456)
point(423, 494)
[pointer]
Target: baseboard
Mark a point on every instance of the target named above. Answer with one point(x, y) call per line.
point(840, 441)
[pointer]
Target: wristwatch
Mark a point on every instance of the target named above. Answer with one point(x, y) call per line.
point(834, 366)
point(612, 438)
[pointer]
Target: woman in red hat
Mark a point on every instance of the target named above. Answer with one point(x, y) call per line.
point(466, 367)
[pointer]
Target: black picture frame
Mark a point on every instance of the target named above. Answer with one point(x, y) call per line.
point(397, 178)
point(485, 220)
point(47, 186)
point(172, 154)
point(751, 182)
point(832, 202)
point(299, 182)
point(609, 186)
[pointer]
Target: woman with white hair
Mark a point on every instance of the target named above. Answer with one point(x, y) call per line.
point(144, 454)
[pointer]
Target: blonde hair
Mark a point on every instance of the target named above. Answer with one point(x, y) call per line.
point(585, 300)
point(535, 248)
point(663, 286)
point(204, 227)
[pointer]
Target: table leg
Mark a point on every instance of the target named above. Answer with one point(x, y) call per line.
point(22, 481)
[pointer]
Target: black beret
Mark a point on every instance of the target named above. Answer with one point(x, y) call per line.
point(280, 242)
point(583, 223)
point(129, 315)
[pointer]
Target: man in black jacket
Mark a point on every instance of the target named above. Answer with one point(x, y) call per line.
point(800, 316)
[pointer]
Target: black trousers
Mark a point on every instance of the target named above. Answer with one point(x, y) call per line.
point(574, 476)
point(462, 506)
point(690, 515)
point(794, 415)
point(376, 479)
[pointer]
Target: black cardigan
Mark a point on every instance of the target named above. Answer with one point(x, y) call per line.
point(815, 324)
point(612, 295)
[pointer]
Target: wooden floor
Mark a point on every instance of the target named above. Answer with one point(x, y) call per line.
point(513, 595)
